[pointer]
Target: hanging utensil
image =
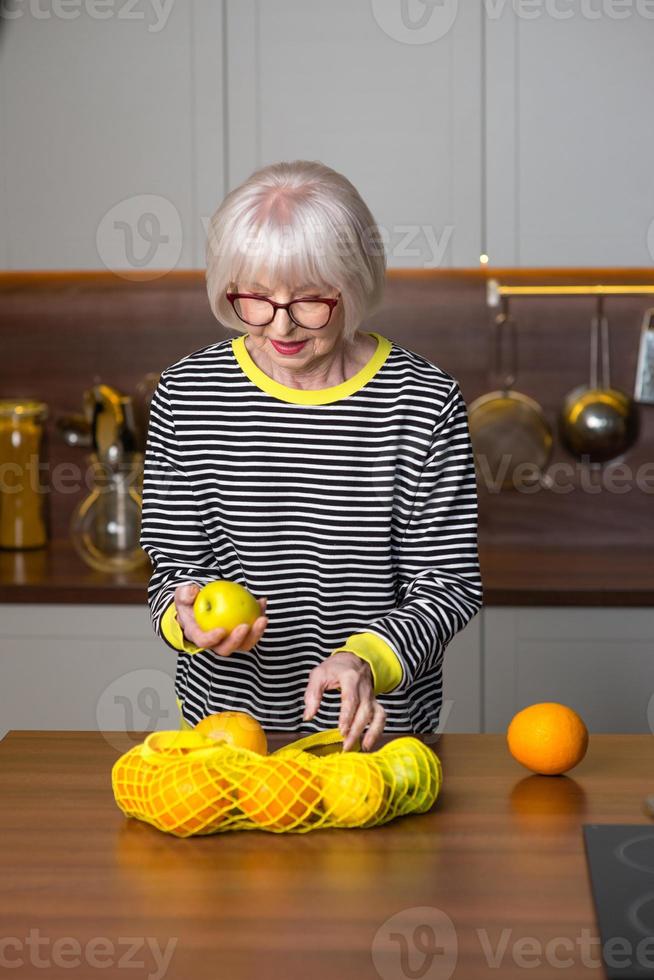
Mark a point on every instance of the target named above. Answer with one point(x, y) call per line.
point(510, 434)
point(111, 420)
point(597, 422)
point(644, 387)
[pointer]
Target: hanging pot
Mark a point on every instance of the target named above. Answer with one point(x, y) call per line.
point(511, 437)
point(597, 422)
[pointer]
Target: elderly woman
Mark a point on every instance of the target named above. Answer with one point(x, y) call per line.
point(325, 468)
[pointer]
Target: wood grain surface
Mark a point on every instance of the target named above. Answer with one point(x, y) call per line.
point(496, 869)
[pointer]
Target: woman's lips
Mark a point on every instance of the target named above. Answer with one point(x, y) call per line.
point(287, 348)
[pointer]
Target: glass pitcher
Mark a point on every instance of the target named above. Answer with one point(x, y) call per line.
point(23, 514)
point(105, 527)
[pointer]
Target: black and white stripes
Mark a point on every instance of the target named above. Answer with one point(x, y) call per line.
point(357, 515)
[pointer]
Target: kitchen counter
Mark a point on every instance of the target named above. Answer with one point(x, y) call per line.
point(497, 862)
point(538, 576)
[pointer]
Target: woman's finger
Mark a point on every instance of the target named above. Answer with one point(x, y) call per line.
point(254, 635)
point(349, 685)
point(363, 717)
point(315, 689)
point(232, 642)
point(192, 631)
point(375, 728)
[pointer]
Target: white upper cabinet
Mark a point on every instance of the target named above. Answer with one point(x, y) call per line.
point(569, 134)
point(111, 134)
point(517, 127)
point(392, 103)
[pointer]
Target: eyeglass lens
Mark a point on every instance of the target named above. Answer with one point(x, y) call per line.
point(259, 312)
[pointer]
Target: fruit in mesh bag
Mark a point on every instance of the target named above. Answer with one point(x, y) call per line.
point(353, 789)
point(280, 794)
point(237, 728)
point(189, 797)
point(413, 773)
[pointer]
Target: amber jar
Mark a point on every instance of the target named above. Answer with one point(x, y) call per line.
point(23, 519)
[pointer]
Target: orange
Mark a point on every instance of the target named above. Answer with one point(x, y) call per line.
point(188, 799)
point(548, 738)
point(279, 793)
point(236, 728)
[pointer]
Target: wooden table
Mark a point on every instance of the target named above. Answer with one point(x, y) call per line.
point(498, 866)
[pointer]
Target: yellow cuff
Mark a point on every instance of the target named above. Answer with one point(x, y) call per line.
point(172, 631)
point(183, 724)
point(384, 662)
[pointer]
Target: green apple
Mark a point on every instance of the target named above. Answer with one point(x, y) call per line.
point(413, 773)
point(223, 604)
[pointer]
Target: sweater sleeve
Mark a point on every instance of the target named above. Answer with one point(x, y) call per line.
point(440, 587)
point(172, 533)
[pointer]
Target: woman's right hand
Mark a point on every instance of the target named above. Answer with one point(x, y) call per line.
point(241, 638)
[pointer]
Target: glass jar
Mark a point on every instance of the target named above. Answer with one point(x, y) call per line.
point(23, 515)
point(105, 527)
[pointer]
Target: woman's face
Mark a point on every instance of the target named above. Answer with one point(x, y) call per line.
point(271, 338)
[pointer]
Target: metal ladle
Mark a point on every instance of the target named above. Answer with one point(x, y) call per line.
point(597, 422)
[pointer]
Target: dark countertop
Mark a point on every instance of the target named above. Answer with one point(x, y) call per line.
point(536, 576)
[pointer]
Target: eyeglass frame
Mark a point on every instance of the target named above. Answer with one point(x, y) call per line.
point(330, 301)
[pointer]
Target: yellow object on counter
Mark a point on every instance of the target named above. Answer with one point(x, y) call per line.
point(185, 783)
point(22, 500)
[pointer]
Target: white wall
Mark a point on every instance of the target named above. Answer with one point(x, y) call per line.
point(522, 129)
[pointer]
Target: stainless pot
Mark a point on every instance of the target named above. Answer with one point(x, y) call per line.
point(598, 423)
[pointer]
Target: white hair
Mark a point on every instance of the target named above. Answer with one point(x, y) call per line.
point(302, 222)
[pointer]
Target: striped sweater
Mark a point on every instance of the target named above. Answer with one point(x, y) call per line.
point(352, 507)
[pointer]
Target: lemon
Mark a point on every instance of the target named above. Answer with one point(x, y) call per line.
point(225, 605)
point(353, 790)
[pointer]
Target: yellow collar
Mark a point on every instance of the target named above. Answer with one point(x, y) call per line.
point(311, 396)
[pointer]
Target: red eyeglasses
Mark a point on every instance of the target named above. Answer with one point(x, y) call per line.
point(312, 313)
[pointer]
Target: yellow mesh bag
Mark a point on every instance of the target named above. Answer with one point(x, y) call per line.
point(185, 783)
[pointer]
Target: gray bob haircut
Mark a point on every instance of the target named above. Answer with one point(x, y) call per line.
point(301, 222)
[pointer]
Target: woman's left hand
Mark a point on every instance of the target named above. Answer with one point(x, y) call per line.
point(352, 676)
